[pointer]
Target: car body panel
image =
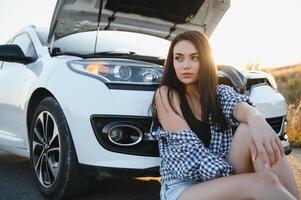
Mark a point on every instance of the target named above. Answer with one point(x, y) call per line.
point(270, 104)
point(160, 18)
point(11, 100)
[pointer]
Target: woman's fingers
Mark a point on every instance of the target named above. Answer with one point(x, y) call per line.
point(259, 162)
point(270, 152)
point(263, 154)
point(276, 150)
point(278, 142)
point(253, 151)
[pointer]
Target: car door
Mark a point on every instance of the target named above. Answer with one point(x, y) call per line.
point(13, 84)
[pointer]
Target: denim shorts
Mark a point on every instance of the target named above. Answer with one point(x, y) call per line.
point(171, 190)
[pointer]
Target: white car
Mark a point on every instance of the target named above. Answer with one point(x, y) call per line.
point(75, 99)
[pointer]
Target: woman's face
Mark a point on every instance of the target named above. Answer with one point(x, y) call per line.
point(186, 62)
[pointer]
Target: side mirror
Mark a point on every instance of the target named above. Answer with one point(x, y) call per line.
point(13, 53)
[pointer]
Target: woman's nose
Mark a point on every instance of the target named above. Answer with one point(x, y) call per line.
point(186, 64)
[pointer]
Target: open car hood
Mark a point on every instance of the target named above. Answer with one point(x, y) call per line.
point(162, 18)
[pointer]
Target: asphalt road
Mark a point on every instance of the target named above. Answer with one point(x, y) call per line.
point(16, 182)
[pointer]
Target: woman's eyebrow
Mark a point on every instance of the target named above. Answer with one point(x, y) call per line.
point(179, 54)
point(189, 54)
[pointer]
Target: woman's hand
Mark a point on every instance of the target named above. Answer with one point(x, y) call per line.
point(267, 144)
point(266, 141)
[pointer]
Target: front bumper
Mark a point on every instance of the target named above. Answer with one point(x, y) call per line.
point(121, 172)
point(286, 146)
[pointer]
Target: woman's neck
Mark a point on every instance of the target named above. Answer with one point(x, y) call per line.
point(191, 90)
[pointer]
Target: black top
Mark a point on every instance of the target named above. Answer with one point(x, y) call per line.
point(202, 129)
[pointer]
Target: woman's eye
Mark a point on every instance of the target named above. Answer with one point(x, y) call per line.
point(178, 58)
point(195, 58)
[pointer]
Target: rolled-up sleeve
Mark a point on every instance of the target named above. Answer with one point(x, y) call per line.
point(212, 167)
point(228, 98)
point(185, 156)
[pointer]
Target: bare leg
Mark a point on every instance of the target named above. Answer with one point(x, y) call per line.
point(261, 185)
point(240, 157)
point(286, 177)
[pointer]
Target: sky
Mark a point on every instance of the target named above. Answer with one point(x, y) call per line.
point(267, 32)
point(264, 32)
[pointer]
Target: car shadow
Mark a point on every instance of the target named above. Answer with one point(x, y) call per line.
point(16, 182)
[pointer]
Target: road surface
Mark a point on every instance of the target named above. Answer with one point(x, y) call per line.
point(16, 182)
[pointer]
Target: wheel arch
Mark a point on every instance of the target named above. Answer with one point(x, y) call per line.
point(37, 96)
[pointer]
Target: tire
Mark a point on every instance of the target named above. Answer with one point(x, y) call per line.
point(53, 158)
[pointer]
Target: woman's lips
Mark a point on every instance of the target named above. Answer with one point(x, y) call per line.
point(186, 74)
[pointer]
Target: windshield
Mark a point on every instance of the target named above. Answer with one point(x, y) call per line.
point(114, 41)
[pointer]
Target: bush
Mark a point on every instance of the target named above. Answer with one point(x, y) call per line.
point(294, 124)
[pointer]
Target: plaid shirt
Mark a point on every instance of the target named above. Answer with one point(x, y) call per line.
point(184, 156)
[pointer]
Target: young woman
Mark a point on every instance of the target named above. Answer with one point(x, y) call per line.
point(200, 157)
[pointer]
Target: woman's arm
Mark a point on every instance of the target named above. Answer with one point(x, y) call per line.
point(237, 108)
point(266, 140)
point(170, 120)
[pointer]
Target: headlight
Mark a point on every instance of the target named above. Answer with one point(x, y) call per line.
point(272, 81)
point(119, 71)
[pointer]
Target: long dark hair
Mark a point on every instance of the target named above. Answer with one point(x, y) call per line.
point(207, 82)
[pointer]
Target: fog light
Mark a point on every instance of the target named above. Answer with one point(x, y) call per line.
point(117, 135)
point(125, 135)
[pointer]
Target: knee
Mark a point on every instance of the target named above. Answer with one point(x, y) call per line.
point(268, 179)
point(266, 182)
point(242, 133)
point(242, 127)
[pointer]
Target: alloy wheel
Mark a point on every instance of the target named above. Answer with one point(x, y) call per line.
point(46, 149)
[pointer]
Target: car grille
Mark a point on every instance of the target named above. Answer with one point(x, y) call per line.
point(276, 123)
point(255, 81)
